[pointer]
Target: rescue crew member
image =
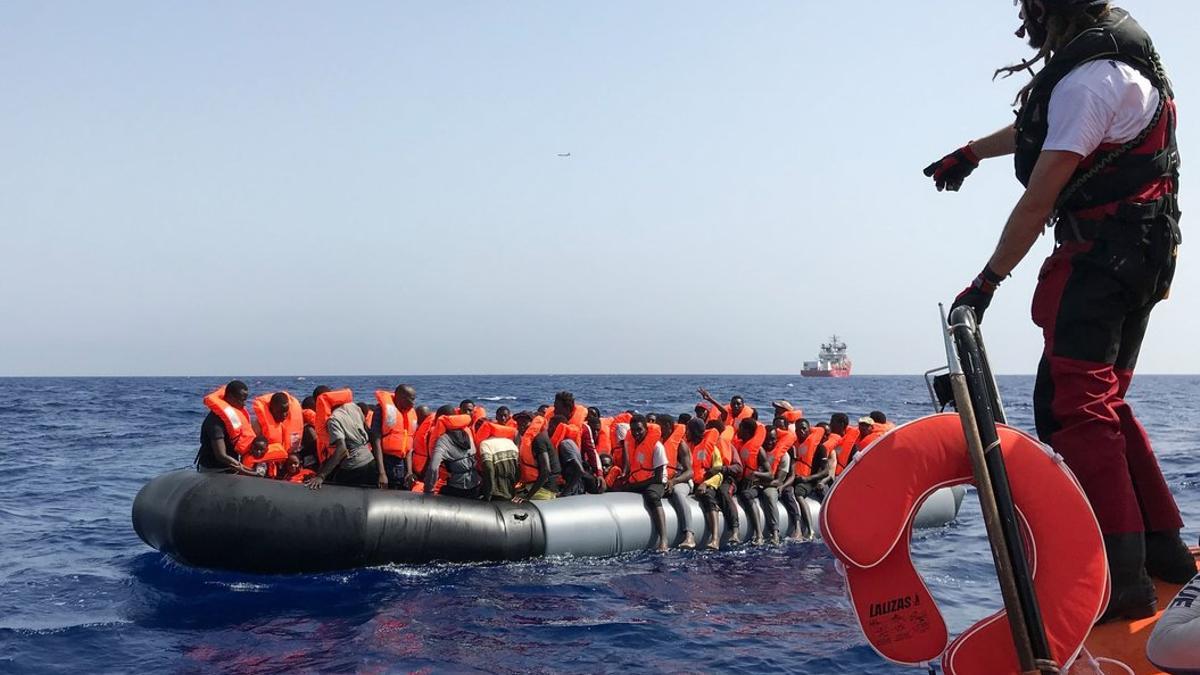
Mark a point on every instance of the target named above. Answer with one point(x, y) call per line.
point(351, 461)
point(1094, 145)
point(217, 451)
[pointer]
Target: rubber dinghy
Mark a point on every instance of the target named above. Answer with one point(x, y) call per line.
point(255, 525)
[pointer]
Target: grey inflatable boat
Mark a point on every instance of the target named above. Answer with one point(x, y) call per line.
point(254, 525)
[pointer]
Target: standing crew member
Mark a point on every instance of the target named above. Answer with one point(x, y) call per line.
point(1094, 145)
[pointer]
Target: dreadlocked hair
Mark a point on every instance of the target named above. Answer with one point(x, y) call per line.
point(1061, 29)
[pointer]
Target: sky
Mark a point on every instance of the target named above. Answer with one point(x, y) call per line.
point(375, 188)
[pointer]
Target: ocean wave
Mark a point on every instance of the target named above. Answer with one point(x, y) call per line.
point(497, 398)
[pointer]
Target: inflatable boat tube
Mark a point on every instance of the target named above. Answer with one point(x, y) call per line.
point(250, 524)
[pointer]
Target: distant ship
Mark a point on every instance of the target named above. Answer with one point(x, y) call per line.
point(831, 362)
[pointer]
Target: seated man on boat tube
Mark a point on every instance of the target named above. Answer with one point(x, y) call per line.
point(646, 459)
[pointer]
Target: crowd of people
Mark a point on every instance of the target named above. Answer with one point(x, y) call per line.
point(720, 455)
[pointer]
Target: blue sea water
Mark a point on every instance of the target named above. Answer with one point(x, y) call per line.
point(80, 593)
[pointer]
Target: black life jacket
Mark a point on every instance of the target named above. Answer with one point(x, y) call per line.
point(1117, 38)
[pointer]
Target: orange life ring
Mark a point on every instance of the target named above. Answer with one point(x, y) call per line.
point(894, 608)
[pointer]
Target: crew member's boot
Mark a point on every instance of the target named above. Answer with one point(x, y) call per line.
point(1168, 558)
point(1132, 590)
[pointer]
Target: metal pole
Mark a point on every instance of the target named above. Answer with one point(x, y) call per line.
point(1001, 550)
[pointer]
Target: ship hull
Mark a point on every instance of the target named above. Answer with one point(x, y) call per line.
point(836, 372)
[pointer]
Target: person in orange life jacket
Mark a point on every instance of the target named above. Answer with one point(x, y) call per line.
point(264, 458)
point(737, 410)
point(293, 471)
point(503, 415)
point(647, 461)
point(454, 451)
point(731, 470)
point(1094, 145)
point(787, 491)
point(538, 466)
point(748, 444)
point(577, 477)
point(308, 440)
point(397, 468)
point(217, 447)
point(705, 459)
point(839, 432)
point(564, 405)
point(499, 461)
point(541, 410)
point(279, 407)
point(467, 407)
point(768, 489)
point(679, 476)
point(351, 460)
point(824, 461)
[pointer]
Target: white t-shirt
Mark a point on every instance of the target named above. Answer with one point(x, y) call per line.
point(1099, 102)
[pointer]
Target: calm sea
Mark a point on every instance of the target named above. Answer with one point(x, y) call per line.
point(80, 593)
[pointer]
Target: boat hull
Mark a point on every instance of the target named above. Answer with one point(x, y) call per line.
point(251, 524)
point(836, 372)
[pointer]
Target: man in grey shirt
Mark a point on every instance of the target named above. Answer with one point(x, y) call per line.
point(352, 462)
point(455, 452)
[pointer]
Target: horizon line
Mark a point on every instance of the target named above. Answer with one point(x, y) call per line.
point(649, 374)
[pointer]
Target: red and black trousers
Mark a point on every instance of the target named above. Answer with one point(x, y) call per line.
point(1093, 304)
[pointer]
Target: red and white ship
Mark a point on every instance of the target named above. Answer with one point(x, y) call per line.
point(831, 362)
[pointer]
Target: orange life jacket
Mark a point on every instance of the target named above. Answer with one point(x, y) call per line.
point(490, 429)
point(612, 477)
point(440, 427)
point(878, 430)
point(396, 428)
point(845, 448)
point(236, 420)
point(671, 445)
point(579, 415)
point(604, 442)
point(421, 446)
point(806, 453)
point(310, 417)
point(784, 440)
point(748, 450)
point(369, 418)
point(286, 432)
point(527, 463)
point(731, 421)
point(622, 418)
point(325, 405)
point(702, 455)
point(566, 431)
point(302, 475)
point(641, 456)
point(273, 458)
point(792, 416)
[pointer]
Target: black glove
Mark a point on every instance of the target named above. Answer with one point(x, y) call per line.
point(949, 172)
point(978, 295)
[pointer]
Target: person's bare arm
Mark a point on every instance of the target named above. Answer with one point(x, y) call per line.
point(1053, 170)
point(223, 457)
point(339, 453)
point(996, 144)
